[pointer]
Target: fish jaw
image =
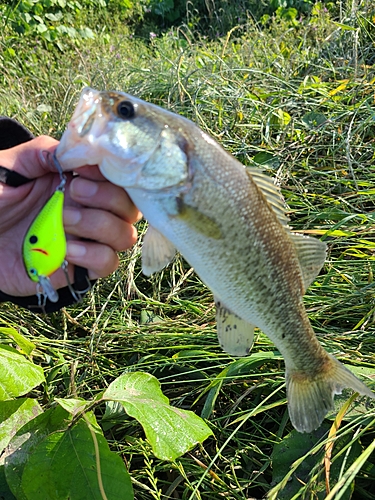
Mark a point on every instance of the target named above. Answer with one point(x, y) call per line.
point(84, 141)
point(129, 152)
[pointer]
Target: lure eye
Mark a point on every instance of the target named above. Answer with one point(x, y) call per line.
point(33, 271)
point(33, 239)
point(126, 110)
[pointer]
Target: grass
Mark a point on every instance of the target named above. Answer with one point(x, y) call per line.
point(298, 99)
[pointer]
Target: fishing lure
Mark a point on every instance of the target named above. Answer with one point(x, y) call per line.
point(44, 246)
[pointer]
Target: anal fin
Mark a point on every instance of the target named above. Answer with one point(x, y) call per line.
point(157, 251)
point(311, 254)
point(236, 336)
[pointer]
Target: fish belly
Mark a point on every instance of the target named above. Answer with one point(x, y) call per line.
point(236, 275)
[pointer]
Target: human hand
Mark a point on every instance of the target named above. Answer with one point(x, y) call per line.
point(94, 209)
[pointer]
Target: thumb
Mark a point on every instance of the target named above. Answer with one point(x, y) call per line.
point(30, 158)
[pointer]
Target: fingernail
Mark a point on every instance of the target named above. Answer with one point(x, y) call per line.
point(43, 156)
point(74, 250)
point(72, 216)
point(83, 187)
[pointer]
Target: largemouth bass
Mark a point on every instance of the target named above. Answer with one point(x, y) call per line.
point(227, 221)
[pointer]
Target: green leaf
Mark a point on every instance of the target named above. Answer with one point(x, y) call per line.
point(20, 448)
point(362, 406)
point(267, 159)
point(293, 447)
point(5, 493)
point(72, 32)
point(14, 415)
point(148, 317)
point(114, 414)
point(170, 431)
point(86, 33)
point(279, 119)
point(73, 406)
point(313, 120)
point(41, 28)
point(54, 17)
point(23, 343)
point(90, 470)
point(44, 108)
point(17, 375)
point(345, 27)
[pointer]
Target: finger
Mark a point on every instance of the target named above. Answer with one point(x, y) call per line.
point(101, 226)
point(106, 196)
point(100, 260)
point(90, 172)
point(30, 158)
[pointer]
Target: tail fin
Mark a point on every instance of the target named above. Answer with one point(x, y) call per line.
point(310, 399)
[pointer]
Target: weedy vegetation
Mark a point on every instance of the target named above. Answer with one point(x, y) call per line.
point(285, 85)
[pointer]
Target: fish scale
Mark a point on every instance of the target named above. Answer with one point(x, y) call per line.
point(230, 225)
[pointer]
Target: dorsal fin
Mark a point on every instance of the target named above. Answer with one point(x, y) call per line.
point(270, 191)
point(311, 254)
point(310, 251)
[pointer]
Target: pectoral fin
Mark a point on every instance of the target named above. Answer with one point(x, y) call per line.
point(311, 255)
point(236, 336)
point(157, 251)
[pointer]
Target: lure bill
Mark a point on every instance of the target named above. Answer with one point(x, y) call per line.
point(44, 245)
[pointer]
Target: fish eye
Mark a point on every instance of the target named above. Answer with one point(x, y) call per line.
point(125, 109)
point(33, 239)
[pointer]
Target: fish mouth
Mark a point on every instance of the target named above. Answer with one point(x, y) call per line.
point(84, 115)
point(86, 125)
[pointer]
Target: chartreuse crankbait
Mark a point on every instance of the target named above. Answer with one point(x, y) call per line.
point(44, 246)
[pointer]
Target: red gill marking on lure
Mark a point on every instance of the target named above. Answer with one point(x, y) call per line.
point(40, 250)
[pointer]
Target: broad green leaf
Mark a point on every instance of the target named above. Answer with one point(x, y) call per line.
point(310, 471)
point(266, 159)
point(114, 414)
point(362, 406)
point(17, 375)
point(20, 448)
point(23, 343)
point(13, 415)
point(148, 317)
point(313, 119)
point(346, 480)
point(73, 406)
point(5, 493)
point(279, 119)
point(86, 33)
point(44, 108)
point(170, 431)
point(76, 464)
point(54, 17)
point(41, 28)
